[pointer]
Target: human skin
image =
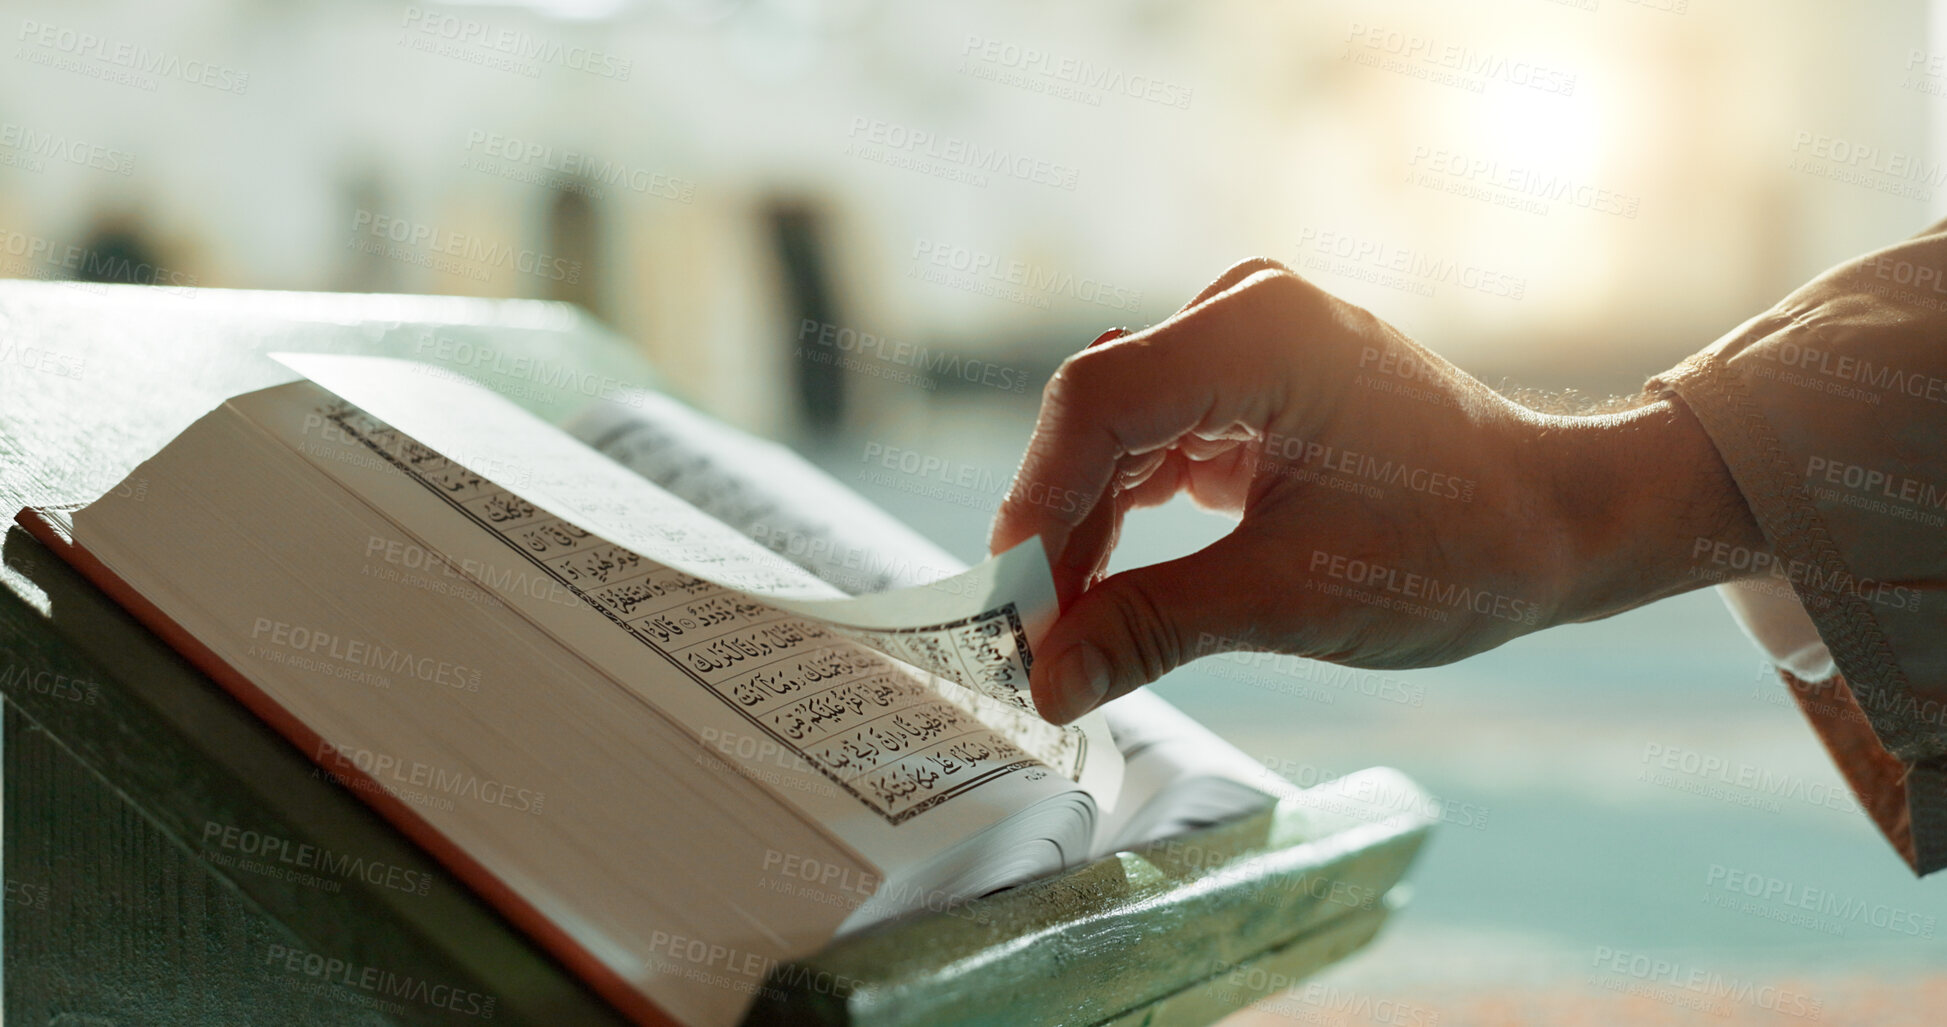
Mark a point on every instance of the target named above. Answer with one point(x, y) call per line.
point(1392, 511)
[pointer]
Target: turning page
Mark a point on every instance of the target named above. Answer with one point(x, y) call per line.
point(973, 628)
point(1177, 774)
point(764, 490)
point(651, 564)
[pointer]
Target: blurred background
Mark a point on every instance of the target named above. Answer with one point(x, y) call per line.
point(866, 227)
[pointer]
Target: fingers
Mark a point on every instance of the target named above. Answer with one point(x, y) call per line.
point(1138, 625)
point(1086, 553)
point(1231, 277)
point(1074, 565)
point(1201, 370)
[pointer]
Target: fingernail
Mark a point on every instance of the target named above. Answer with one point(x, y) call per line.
point(1113, 333)
point(1081, 680)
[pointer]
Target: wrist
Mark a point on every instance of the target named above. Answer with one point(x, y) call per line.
point(1640, 505)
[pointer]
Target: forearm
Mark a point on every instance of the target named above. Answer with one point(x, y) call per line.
point(1640, 504)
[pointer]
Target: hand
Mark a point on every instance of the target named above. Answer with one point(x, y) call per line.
point(1393, 511)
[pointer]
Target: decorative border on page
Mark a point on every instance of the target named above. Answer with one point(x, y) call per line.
point(856, 684)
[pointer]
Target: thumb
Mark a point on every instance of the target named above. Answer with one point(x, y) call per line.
point(1138, 625)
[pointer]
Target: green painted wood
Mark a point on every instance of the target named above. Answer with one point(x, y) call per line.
point(1263, 976)
point(1123, 933)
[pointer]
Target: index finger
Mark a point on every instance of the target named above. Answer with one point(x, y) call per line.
point(1134, 395)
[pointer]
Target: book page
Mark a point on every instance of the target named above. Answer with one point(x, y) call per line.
point(1177, 775)
point(778, 500)
point(793, 697)
point(784, 503)
point(571, 802)
point(764, 490)
point(974, 628)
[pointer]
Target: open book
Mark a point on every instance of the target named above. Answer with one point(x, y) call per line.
point(617, 676)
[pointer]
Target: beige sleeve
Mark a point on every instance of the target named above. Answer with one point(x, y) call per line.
point(1830, 410)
